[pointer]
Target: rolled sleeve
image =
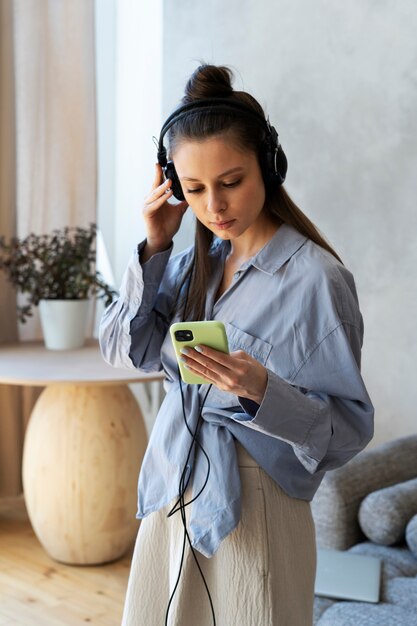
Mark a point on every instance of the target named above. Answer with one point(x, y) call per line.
point(153, 271)
point(137, 296)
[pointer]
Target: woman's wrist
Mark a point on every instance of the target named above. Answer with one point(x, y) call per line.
point(150, 249)
point(258, 394)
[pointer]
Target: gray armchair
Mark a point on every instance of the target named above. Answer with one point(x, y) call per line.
point(336, 509)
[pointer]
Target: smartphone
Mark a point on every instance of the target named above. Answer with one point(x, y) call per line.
point(190, 334)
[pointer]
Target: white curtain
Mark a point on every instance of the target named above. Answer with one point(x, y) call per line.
point(55, 118)
point(55, 113)
point(48, 164)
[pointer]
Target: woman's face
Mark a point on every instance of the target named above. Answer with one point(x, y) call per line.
point(222, 184)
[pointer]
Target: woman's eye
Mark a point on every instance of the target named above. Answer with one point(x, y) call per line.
point(235, 183)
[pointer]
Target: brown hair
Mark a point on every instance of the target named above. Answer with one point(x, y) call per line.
point(210, 81)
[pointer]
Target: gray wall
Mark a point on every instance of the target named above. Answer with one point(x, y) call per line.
point(339, 80)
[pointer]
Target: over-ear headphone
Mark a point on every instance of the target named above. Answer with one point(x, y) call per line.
point(273, 160)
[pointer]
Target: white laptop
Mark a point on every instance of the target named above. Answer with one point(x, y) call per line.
point(347, 576)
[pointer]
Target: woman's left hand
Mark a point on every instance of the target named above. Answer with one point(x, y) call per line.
point(236, 373)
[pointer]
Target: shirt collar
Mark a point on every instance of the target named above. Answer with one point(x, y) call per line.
point(277, 251)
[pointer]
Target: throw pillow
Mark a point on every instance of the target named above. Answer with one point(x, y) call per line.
point(384, 514)
point(411, 535)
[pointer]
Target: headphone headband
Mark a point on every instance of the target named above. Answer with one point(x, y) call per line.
point(208, 104)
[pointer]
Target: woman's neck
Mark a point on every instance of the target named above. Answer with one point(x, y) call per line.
point(251, 241)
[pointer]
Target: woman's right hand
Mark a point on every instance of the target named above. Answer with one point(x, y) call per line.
point(162, 219)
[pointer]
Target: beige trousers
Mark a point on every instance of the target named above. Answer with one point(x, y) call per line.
point(262, 575)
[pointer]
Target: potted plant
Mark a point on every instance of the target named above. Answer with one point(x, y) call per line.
point(57, 272)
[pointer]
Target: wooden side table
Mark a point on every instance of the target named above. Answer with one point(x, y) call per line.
point(83, 449)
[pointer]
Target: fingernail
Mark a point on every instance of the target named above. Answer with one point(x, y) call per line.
point(198, 348)
point(185, 351)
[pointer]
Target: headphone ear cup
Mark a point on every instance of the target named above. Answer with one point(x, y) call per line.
point(282, 165)
point(274, 162)
point(171, 173)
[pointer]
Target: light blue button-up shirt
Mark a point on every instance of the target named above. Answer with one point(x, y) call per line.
point(294, 308)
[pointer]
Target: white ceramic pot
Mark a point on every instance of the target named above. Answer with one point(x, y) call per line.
point(64, 323)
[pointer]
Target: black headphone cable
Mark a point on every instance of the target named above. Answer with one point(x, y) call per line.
point(180, 505)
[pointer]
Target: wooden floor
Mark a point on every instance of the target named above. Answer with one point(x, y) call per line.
point(37, 591)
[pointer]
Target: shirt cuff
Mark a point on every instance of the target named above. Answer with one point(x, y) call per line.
point(153, 269)
point(285, 412)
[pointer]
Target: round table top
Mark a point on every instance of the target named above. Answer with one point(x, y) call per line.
point(30, 363)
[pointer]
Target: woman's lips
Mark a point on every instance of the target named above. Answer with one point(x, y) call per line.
point(223, 225)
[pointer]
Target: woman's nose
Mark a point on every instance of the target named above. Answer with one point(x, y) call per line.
point(215, 203)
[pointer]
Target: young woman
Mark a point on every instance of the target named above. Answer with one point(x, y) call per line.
point(225, 485)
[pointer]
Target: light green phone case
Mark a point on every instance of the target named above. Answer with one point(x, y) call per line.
point(211, 333)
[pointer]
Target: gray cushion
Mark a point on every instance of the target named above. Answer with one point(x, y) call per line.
point(411, 535)
point(384, 514)
point(320, 605)
point(366, 614)
point(336, 503)
point(401, 591)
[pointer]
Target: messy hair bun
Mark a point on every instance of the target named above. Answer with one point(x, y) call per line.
point(215, 81)
point(208, 81)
